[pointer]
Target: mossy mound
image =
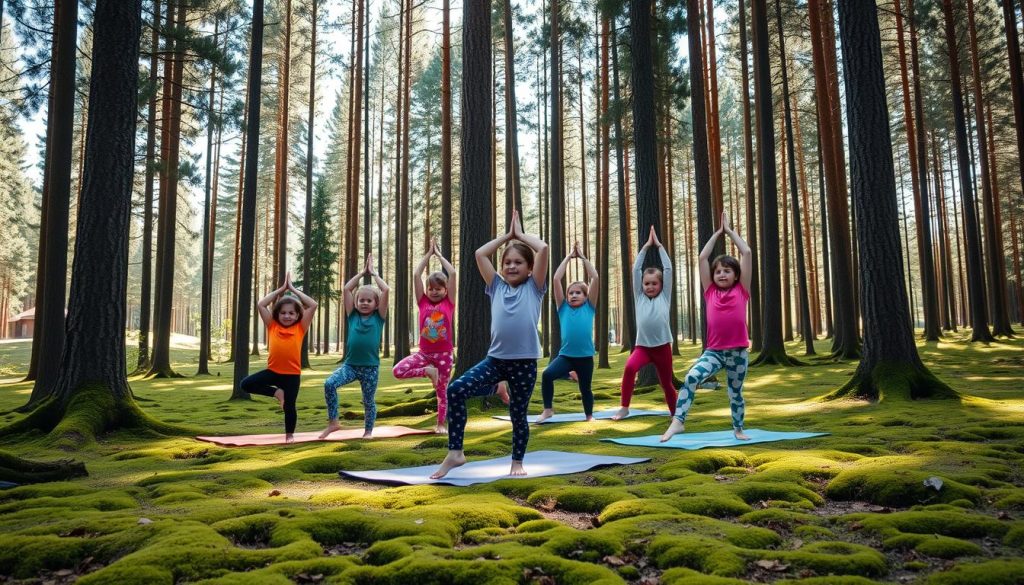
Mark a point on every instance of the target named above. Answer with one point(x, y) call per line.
point(895, 481)
point(1001, 572)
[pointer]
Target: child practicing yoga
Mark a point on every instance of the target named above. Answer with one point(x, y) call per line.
point(287, 318)
point(725, 286)
point(576, 309)
point(516, 299)
point(365, 308)
point(653, 333)
point(437, 305)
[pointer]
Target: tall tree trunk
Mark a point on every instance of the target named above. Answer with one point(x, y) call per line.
point(556, 218)
point(845, 343)
point(170, 149)
point(964, 313)
point(628, 333)
point(283, 146)
point(446, 130)
point(53, 247)
point(238, 231)
point(773, 350)
point(806, 330)
point(248, 215)
point(604, 230)
point(1017, 91)
point(355, 145)
point(401, 291)
point(145, 294)
point(91, 389)
point(946, 305)
point(748, 174)
point(890, 364)
point(826, 274)
point(209, 226)
point(993, 230)
point(475, 177)
point(975, 269)
point(314, 10)
point(714, 133)
point(814, 298)
point(512, 183)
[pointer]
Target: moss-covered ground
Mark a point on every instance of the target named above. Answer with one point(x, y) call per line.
point(848, 508)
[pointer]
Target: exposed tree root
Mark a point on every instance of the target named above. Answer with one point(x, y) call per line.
point(777, 358)
point(894, 379)
point(23, 471)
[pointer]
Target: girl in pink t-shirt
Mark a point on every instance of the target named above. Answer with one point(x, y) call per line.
point(437, 306)
point(725, 284)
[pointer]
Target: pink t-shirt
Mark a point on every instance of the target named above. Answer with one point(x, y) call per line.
point(435, 325)
point(727, 317)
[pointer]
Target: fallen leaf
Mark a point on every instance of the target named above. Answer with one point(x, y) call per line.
point(145, 521)
point(772, 565)
point(613, 561)
point(64, 573)
point(797, 543)
point(274, 493)
point(418, 521)
point(933, 482)
point(548, 504)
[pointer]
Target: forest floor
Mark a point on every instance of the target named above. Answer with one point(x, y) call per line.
point(848, 508)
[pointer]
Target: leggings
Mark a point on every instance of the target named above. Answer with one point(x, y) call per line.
point(367, 376)
point(266, 383)
point(412, 367)
point(479, 380)
point(735, 363)
point(661, 357)
point(560, 368)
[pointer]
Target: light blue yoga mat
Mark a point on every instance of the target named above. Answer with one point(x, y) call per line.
point(579, 416)
point(537, 464)
point(693, 441)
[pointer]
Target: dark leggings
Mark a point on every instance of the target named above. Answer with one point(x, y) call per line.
point(559, 368)
point(480, 380)
point(266, 383)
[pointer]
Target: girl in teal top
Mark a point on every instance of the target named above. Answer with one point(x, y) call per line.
point(365, 309)
point(576, 321)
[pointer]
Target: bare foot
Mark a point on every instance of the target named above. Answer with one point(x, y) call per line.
point(545, 415)
point(502, 392)
point(279, 395)
point(440, 429)
point(288, 438)
point(573, 376)
point(739, 434)
point(332, 426)
point(452, 460)
point(674, 428)
point(590, 418)
point(623, 413)
point(431, 372)
point(368, 434)
point(517, 468)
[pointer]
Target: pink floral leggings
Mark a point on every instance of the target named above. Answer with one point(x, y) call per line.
point(412, 367)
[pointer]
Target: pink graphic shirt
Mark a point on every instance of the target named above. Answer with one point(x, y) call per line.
point(435, 325)
point(727, 317)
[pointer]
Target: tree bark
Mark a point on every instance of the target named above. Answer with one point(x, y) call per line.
point(975, 269)
point(748, 174)
point(446, 130)
point(146, 294)
point(890, 364)
point(209, 228)
point(604, 231)
point(702, 173)
point(314, 10)
point(556, 197)
point(628, 333)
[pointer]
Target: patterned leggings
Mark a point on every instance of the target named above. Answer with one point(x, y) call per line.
point(367, 376)
point(735, 363)
point(412, 367)
point(479, 380)
point(560, 368)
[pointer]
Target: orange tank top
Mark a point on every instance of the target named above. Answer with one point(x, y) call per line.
point(285, 348)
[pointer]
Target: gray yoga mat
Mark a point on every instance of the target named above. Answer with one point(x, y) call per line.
point(693, 441)
point(579, 416)
point(537, 463)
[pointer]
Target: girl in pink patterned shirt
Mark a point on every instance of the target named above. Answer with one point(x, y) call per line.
point(437, 306)
point(725, 282)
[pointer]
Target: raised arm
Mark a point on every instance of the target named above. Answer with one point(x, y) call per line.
point(350, 290)
point(417, 277)
point(746, 255)
point(382, 306)
point(666, 272)
point(263, 305)
point(703, 260)
point(595, 280)
point(453, 277)
point(309, 305)
point(540, 248)
point(638, 265)
point(557, 293)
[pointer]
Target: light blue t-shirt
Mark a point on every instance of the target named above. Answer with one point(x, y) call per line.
point(362, 347)
point(577, 325)
point(514, 315)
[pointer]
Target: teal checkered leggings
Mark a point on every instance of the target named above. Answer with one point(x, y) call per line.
point(735, 363)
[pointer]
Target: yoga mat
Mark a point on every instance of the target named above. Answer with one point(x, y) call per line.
point(312, 437)
point(579, 416)
point(693, 441)
point(537, 463)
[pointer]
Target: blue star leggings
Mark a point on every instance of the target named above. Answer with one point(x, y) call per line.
point(367, 376)
point(735, 363)
point(480, 380)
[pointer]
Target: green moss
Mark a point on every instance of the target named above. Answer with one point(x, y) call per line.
point(831, 557)
point(813, 533)
point(960, 524)
point(830, 580)
point(699, 553)
point(704, 461)
point(778, 518)
point(895, 481)
point(681, 576)
point(579, 498)
point(723, 506)
point(753, 491)
point(1015, 536)
point(631, 508)
point(1001, 572)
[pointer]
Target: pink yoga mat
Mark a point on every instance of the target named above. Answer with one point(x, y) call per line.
point(313, 436)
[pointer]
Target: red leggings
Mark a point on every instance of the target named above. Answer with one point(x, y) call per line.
point(661, 357)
